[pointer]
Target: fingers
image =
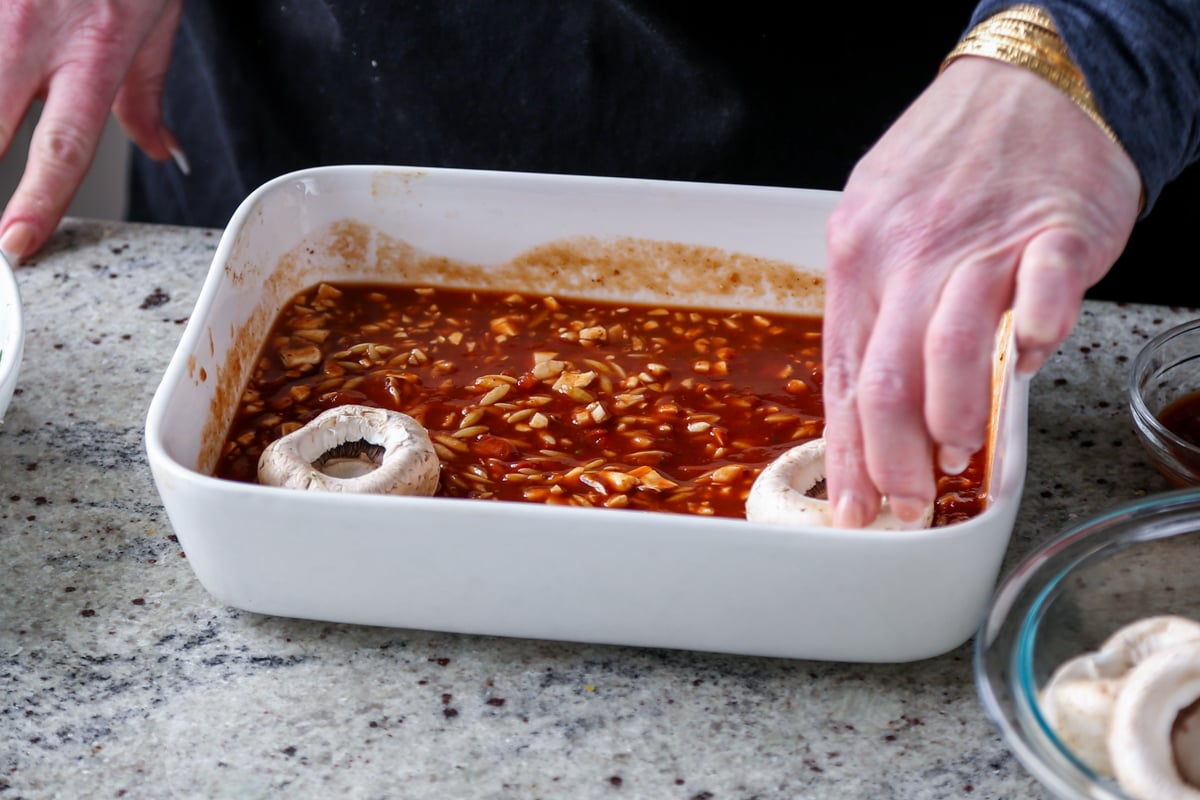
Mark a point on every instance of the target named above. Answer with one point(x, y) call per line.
point(923, 383)
point(18, 85)
point(850, 310)
point(924, 380)
point(851, 491)
point(77, 55)
point(1055, 272)
point(60, 153)
point(991, 191)
point(138, 104)
point(891, 397)
point(19, 81)
point(959, 357)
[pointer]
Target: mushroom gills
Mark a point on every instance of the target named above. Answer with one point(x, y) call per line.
point(350, 459)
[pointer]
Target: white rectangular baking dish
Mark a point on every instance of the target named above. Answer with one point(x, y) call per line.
point(528, 570)
point(12, 333)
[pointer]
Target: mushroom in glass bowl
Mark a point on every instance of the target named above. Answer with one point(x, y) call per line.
point(1129, 709)
point(1088, 660)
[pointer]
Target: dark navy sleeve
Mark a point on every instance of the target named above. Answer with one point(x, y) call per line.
point(1141, 59)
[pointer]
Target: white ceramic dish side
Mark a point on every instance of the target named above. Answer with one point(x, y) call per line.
point(12, 334)
point(527, 570)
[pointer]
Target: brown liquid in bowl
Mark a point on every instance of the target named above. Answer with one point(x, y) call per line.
point(1182, 417)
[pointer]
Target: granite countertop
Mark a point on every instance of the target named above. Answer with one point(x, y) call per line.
point(122, 677)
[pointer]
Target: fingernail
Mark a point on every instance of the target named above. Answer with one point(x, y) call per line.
point(953, 460)
point(180, 158)
point(172, 144)
point(848, 513)
point(908, 509)
point(17, 241)
point(1030, 361)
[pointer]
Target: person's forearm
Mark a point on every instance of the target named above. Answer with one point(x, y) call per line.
point(1141, 59)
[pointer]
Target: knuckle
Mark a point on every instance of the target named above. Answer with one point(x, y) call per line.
point(842, 459)
point(956, 343)
point(895, 239)
point(63, 147)
point(838, 377)
point(883, 390)
point(845, 235)
point(105, 20)
point(961, 419)
point(1073, 244)
point(18, 19)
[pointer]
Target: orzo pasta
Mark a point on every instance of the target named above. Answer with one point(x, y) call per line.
point(544, 399)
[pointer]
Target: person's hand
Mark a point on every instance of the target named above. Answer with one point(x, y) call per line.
point(992, 191)
point(82, 57)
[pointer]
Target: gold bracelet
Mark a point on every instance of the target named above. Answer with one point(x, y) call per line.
point(1026, 36)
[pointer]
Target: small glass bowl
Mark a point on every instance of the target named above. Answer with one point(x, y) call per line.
point(1138, 560)
point(1167, 369)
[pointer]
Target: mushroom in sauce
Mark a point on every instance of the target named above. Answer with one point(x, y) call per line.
point(354, 448)
point(790, 491)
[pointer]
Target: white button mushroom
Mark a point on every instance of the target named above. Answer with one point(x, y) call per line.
point(789, 491)
point(1081, 699)
point(354, 448)
point(1153, 744)
point(1185, 738)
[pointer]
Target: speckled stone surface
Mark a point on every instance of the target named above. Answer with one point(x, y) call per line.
point(122, 677)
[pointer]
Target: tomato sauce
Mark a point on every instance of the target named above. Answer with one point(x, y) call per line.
point(542, 399)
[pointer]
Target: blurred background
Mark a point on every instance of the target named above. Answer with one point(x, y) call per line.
point(1157, 266)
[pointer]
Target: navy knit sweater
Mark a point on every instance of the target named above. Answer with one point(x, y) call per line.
point(753, 92)
point(1141, 58)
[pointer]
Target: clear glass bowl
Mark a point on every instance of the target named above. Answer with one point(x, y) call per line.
point(1140, 559)
point(1167, 369)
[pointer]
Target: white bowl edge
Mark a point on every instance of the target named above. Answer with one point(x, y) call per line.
point(12, 333)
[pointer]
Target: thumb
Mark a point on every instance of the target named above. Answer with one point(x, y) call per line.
point(1054, 273)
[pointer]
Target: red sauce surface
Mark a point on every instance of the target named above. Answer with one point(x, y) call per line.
point(539, 399)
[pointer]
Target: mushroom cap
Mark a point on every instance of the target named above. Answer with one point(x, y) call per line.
point(1132, 643)
point(1147, 760)
point(404, 460)
point(1079, 700)
point(781, 493)
point(1079, 711)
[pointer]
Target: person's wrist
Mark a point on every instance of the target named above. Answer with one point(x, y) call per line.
point(1025, 36)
